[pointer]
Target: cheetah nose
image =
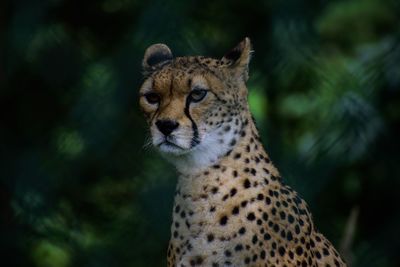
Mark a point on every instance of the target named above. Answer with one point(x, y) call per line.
point(167, 126)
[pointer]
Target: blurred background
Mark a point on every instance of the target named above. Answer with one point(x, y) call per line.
point(77, 188)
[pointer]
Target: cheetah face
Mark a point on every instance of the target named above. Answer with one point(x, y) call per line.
point(175, 104)
point(192, 104)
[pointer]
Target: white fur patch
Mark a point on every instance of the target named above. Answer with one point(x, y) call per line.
point(204, 154)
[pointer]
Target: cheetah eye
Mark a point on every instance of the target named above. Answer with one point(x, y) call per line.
point(197, 95)
point(152, 98)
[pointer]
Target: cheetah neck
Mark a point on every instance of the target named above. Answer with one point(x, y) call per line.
point(210, 193)
point(246, 157)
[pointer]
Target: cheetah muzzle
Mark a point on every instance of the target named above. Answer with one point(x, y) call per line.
point(231, 207)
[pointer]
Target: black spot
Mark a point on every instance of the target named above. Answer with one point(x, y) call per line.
point(238, 247)
point(246, 183)
point(233, 192)
point(228, 153)
point(251, 216)
point(272, 253)
point(299, 250)
point(235, 210)
point(242, 231)
point(210, 237)
point(283, 234)
point(284, 191)
point(297, 229)
point(237, 156)
point(223, 220)
point(289, 236)
point(267, 236)
point(281, 251)
point(177, 208)
point(273, 211)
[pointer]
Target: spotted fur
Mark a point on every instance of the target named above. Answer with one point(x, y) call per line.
point(231, 207)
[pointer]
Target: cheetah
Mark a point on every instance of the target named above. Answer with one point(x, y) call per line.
point(231, 207)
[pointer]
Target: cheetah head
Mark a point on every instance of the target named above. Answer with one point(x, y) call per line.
point(193, 105)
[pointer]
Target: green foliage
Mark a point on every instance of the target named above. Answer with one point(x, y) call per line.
point(80, 187)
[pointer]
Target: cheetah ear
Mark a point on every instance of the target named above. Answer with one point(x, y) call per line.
point(239, 57)
point(155, 57)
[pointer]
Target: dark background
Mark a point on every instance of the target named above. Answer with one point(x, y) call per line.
point(77, 188)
